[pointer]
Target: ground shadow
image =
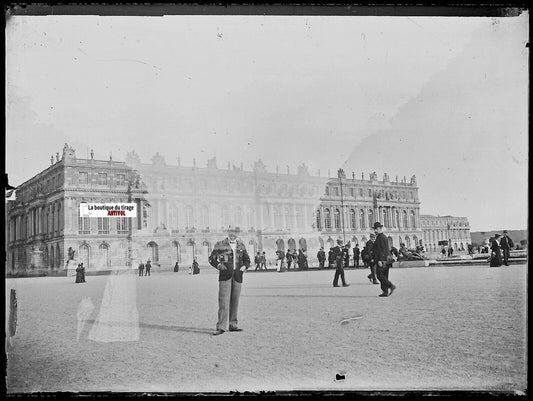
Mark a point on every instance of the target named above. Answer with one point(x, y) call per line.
point(307, 296)
point(164, 327)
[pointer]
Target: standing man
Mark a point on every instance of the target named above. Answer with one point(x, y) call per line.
point(496, 255)
point(356, 254)
point(506, 243)
point(339, 270)
point(369, 259)
point(321, 256)
point(230, 258)
point(257, 261)
point(141, 268)
point(382, 260)
point(148, 267)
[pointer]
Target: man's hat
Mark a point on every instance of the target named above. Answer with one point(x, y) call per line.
point(505, 231)
point(377, 224)
point(339, 240)
point(233, 229)
point(497, 236)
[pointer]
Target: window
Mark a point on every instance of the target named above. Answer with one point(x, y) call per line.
point(352, 192)
point(327, 191)
point(336, 191)
point(121, 180)
point(83, 178)
point(318, 222)
point(103, 225)
point(361, 192)
point(337, 218)
point(122, 225)
point(369, 193)
point(102, 179)
point(362, 224)
point(84, 225)
point(327, 219)
point(103, 251)
point(352, 218)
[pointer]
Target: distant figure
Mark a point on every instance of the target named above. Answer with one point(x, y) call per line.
point(356, 254)
point(321, 256)
point(302, 260)
point(257, 261)
point(195, 266)
point(176, 267)
point(443, 252)
point(80, 273)
point(141, 269)
point(506, 245)
point(281, 263)
point(394, 253)
point(148, 267)
point(288, 256)
point(331, 258)
point(263, 260)
point(339, 269)
point(496, 255)
point(346, 255)
point(450, 251)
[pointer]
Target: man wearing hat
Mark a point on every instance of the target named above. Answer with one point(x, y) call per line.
point(382, 260)
point(496, 254)
point(230, 258)
point(506, 243)
point(339, 270)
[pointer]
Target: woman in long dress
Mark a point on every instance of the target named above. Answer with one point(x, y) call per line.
point(79, 274)
point(496, 255)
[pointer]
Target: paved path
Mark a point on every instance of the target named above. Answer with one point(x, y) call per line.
point(445, 328)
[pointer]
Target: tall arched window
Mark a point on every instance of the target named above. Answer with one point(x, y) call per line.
point(84, 254)
point(404, 215)
point(58, 256)
point(386, 221)
point(103, 251)
point(327, 219)
point(250, 218)
point(173, 217)
point(189, 217)
point(204, 217)
point(353, 219)
point(370, 217)
point(337, 218)
point(123, 253)
point(278, 223)
point(362, 224)
point(413, 220)
point(52, 259)
point(238, 216)
point(318, 221)
point(154, 252)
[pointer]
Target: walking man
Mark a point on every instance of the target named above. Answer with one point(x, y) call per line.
point(382, 259)
point(231, 259)
point(263, 261)
point(141, 268)
point(339, 270)
point(369, 259)
point(506, 244)
point(257, 261)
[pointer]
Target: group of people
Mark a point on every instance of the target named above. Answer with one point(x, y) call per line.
point(376, 255)
point(80, 273)
point(230, 258)
point(500, 244)
point(260, 261)
point(145, 268)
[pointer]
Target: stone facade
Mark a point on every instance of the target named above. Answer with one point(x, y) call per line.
point(183, 211)
point(456, 230)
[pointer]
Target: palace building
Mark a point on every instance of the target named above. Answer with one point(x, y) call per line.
point(454, 230)
point(183, 210)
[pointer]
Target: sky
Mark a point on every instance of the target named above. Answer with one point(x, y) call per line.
point(442, 98)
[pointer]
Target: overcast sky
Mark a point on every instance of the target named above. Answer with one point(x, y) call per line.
point(444, 98)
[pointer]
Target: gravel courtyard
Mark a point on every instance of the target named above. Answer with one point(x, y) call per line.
point(445, 328)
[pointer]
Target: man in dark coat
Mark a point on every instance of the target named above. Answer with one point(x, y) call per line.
point(257, 261)
point(148, 267)
point(321, 256)
point(382, 260)
point(369, 259)
point(506, 243)
point(331, 258)
point(231, 259)
point(339, 270)
point(356, 254)
point(141, 269)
